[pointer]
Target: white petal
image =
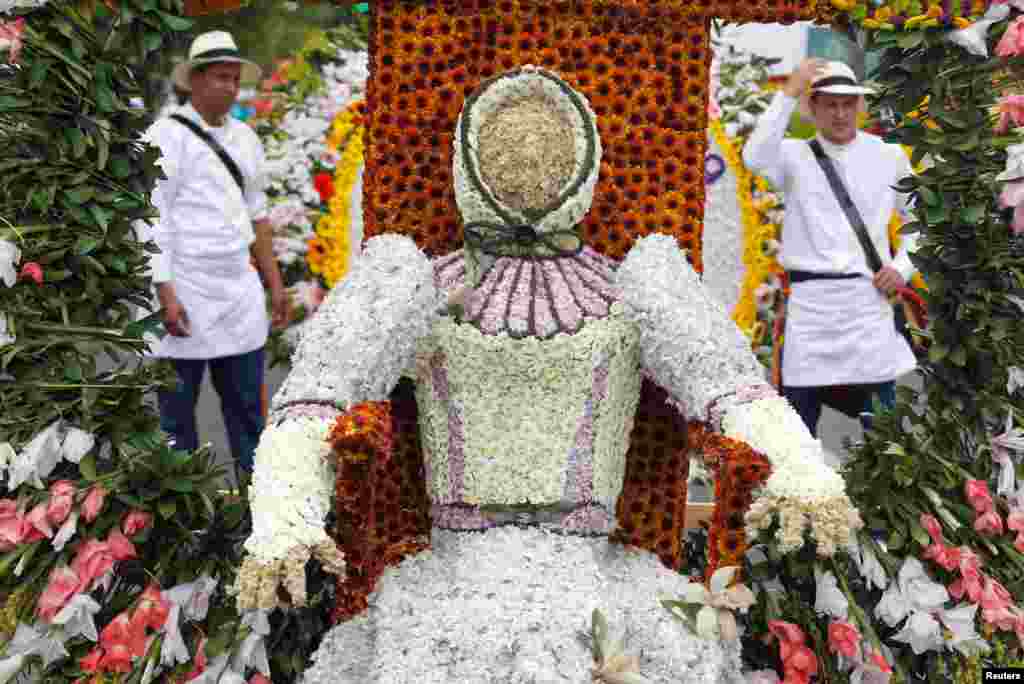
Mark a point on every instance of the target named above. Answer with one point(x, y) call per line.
point(707, 623)
point(922, 632)
point(7, 455)
point(77, 443)
point(10, 667)
point(695, 593)
point(66, 532)
point(10, 255)
point(829, 598)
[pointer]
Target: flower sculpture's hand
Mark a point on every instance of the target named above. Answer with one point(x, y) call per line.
point(290, 497)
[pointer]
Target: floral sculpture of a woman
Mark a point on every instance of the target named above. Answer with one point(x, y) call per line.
point(528, 350)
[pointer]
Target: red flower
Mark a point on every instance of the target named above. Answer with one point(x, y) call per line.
point(152, 609)
point(32, 271)
point(91, 662)
point(62, 496)
point(93, 503)
point(989, 523)
point(324, 184)
point(10, 38)
point(843, 638)
point(136, 521)
point(259, 678)
point(117, 659)
point(122, 631)
point(64, 583)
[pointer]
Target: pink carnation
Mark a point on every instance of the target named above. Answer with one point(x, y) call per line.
point(1012, 42)
point(989, 523)
point(63, 584)
point(93, 503)
point(62, 497)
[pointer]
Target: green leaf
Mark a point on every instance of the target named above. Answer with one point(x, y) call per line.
point(38, 73)
point(152, 41)
point(73, 372)
point(80, 195)
point(120, 167)
point(928, 196)
point(180, 485)
point(105, 98)
point(918, 533)
point(77, 141)
point(87, 467)
point(167, 508)
point(100, 215)
point(175, 23)
point(86, 245)
point(973, 213)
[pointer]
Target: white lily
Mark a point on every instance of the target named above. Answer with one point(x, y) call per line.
point(28, 641)
point(716, 619)
point(10, 255)
point(869, 566)
point(973, 38)
point(66, 532)
point(1014, 379)
point(77, 617)
point(10, 667)
point(5, 337)
point(961, 625)
point(7, 455)
point(829, 599)
point(612, 665)
point(174, 651)
point(913, 593)
point(38, 458)
point(252, 654)
point(1012, 439)
point(77, 443)
point(922, 632)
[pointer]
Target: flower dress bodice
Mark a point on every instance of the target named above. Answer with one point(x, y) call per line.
point(526, 400)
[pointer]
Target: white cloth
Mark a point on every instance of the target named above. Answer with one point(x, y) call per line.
point(204, 232)
point(838, 331)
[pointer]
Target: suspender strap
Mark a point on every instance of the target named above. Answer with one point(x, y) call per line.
point(848, 207)
point(218, 149)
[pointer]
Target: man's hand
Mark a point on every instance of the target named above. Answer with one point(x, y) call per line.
point(888, 280)
point(801, 79)
point(280, 307)
point(175, 317)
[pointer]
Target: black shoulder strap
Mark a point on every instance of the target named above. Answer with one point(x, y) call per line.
point(848, 207)
point(219, 150)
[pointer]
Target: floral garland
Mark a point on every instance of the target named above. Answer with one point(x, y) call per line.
point(330, 252)
point(908, 15)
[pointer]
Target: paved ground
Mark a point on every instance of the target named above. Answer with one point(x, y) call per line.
point(833, 429)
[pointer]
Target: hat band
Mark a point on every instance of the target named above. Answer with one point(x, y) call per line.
point(217, 54)
point(834, 81)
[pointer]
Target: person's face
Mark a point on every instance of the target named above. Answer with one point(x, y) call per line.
point(835, 116)
point(215, 88)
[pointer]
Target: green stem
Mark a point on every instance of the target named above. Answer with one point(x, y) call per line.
point(58, 386)
point(18, 231)
point(863, 621)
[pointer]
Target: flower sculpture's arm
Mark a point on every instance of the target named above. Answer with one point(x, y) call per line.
point(691, 347)
point(356, 347)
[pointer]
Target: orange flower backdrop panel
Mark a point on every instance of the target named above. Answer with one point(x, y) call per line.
point(642, 63)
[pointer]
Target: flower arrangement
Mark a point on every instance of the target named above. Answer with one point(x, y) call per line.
point(913, 15)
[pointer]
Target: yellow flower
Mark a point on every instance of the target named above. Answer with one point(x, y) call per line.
point(844, 5)
point(883, 14)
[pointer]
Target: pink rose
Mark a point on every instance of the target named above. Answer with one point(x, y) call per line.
point(843, 638)
point(62, 586)
point(1012, 42)
point(38, 524)
point(136, 521)
point(1011, 111)
point(12, 525)
point(978, 495)
point(989, 523)
point(93, 503)
point(994, 595)
point(93, 560)
point(120, 548)
point(62, 496)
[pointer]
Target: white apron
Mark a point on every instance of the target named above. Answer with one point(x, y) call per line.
point(227, 309)
point(841, 332)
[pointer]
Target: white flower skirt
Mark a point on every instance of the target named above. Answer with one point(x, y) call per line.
point(514, 605)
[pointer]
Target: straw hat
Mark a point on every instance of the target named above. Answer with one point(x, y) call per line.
point(209, 48)
point(835, 78)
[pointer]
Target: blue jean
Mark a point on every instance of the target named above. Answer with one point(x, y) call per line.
point(807, 401)
point(239, 382)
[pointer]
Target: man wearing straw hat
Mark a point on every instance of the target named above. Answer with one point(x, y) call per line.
point(840, 335)
point(211, 228)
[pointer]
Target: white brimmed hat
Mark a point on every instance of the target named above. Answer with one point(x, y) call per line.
point(838, 79)
point(210, 48)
